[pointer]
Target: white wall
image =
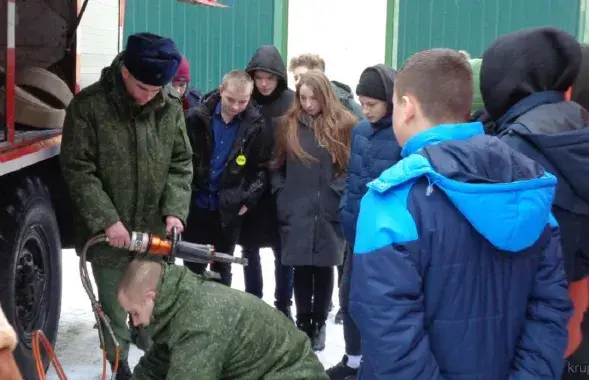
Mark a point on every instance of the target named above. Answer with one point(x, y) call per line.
point(348, 42)
point(98, 39)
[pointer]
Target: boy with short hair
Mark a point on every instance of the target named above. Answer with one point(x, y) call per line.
point(374, 149)
point(229, 160)
point(204, 330)
point(458, 269)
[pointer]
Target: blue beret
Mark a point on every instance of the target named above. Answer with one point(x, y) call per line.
point(151, 59)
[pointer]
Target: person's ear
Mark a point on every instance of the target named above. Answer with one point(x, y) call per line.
point(125, 72)
point(409, 108)
point(150, 296)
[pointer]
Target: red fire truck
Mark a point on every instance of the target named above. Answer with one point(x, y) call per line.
point(40, 71)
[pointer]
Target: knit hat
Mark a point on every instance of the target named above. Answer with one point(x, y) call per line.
point(183, 74)
point(371, 85)
point(151, 59)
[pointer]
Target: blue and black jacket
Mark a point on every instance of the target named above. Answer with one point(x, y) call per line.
point(458, 270)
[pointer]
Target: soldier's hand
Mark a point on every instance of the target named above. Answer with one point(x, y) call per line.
point(242, 210)
point(118, 236)
point(171, 222)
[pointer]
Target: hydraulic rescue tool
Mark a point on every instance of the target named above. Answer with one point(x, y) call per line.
point(142, 244)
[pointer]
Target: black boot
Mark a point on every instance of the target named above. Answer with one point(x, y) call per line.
point(304, 324)
point(318, 337)
point(123, 372)
point(286, 311)
point(339, 317)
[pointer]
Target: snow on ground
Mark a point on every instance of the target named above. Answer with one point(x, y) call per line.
point(77, 344)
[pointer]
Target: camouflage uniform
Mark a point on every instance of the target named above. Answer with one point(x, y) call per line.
point(123, 162)
point(204, 330)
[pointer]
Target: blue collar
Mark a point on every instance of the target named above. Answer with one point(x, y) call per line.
point(440, 133)
point(528, 103)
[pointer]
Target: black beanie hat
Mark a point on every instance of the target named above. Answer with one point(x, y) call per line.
point(151, 59)
point(371, 85)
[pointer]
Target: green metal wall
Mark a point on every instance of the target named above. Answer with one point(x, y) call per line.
point(214, 40)
point(472, 25)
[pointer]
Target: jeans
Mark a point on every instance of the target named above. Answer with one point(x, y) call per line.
point(351, 332)
point(254, 282)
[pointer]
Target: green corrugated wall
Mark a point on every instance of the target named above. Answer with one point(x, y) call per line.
point(470, 24)
point(214, 40)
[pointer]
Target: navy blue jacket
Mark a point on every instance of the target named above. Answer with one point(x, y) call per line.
point(554, 133)
point(458, 270)
point(192, 97)
point(374, 149)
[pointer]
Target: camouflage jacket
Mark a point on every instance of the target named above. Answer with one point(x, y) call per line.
point(124, 162)
point(207, 331)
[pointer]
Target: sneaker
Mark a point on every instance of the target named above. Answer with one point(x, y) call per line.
point(341, 371)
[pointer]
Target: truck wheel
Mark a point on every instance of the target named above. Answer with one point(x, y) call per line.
point(30, 267)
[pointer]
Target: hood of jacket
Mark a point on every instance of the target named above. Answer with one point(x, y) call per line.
point(170, 297)
point(503, 194)
point(581, 86)
point(562, 140)
point(477, 101)
point(510, 71)
point(267, 58)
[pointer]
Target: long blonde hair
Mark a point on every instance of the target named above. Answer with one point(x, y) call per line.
point(332, 127)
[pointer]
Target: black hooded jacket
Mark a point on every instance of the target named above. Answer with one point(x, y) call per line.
point(260, 226)
point(581, 86)
point(526, 99)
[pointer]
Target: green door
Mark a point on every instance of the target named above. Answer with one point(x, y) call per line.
point(214, 40)
point(472, 25)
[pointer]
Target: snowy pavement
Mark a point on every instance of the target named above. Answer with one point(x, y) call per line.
point(77, 344)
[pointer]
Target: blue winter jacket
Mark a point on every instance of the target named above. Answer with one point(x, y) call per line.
point(458, 270)
point(374, 149)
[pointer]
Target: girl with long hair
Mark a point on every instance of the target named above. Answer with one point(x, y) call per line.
point(310, 160)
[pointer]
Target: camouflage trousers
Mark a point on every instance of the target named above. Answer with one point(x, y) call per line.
point(107, 279)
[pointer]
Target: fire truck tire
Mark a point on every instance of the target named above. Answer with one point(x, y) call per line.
point(46, 81)
point(30, 269)
point(32, 111)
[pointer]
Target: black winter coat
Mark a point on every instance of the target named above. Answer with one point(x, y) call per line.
point(308, 197)
point(260, 227)
point(241, 185)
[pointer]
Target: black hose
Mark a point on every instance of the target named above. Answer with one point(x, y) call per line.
point(102, 320)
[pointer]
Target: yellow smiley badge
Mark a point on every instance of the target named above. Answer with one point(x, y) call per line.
point(241, 160)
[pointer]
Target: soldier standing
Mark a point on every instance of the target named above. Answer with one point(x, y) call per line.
point(127, 162)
